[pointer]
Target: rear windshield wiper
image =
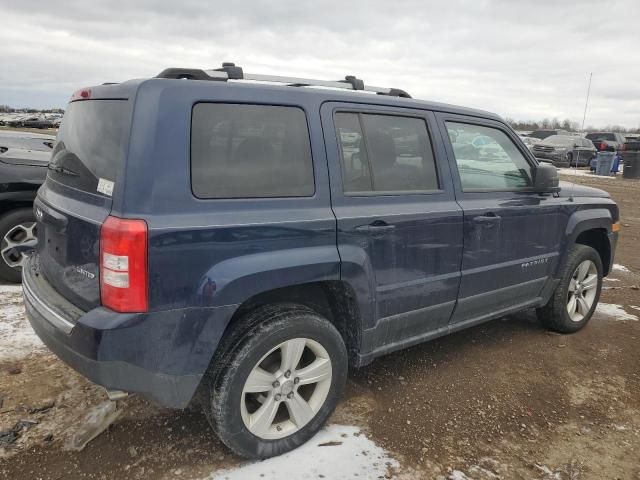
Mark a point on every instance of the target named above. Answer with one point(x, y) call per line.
point(62, 170)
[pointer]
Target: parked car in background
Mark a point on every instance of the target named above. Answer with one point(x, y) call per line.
point(544, 133)
point(37, 122)
point(18, 120)
point(607, 141)
point(244, 244)
point(565, 151)
point(23, 168)
point(530, 141)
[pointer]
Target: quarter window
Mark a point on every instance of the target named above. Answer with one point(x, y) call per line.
point(487, 158)
point(385, 153)
point(250, 151)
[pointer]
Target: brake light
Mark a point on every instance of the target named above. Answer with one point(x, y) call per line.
point(123, 265)
point(603, 146)
point(82, 94)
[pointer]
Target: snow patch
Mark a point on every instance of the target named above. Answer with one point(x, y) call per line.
point(608, 279)
point(458, 475)
point(620, 268)
point(17, 338)
point(614, 311)
point(349, 455)
point(8, 289)
point(635, 307)
point(548, 473)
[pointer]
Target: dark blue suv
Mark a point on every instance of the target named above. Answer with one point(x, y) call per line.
point(243, 239)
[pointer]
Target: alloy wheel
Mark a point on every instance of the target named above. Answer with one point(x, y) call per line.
point(286, 388)
point(15, 237)
point(583, 287)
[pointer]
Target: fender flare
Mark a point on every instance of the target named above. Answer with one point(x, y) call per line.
point(234, 281)
point(580, 222)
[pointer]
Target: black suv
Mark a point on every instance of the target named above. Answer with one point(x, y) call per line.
point(244, 243)
point(23, 168)
point(607, 141)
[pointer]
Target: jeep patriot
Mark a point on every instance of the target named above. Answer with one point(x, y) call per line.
point(241, 240)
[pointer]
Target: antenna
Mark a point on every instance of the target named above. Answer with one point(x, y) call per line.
point(584, 116)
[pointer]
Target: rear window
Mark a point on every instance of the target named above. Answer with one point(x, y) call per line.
point(601, 136)
point(250, 151)
point(89, 151)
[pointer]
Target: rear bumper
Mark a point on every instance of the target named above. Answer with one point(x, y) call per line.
point(161, 355)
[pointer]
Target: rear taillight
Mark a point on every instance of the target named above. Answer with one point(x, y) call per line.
point(603, 146)
point(123, 265)
point(82, 94)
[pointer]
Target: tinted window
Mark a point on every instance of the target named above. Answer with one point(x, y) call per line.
point(250, 151)
point(90, 144)
point(393, 155)
point(498, 165)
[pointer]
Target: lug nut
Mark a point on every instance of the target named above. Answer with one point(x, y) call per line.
point(290, 395)
point(287, 374)
point(278, 397)
point(296, 380)
point(276, 384)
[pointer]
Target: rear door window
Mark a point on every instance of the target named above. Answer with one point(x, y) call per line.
point(250, 151)
point(385, 153)
point(90, 146)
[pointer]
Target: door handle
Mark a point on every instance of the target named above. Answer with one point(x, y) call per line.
point(488, 220)
point(379, 226)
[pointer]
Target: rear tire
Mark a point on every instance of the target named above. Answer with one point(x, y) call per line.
point(277, 379)
point(575, 298)
point(15, 227)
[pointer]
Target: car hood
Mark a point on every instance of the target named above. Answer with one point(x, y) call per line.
point(568, 189)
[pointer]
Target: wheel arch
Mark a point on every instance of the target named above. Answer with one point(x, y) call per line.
point(333, 299)
point(592, 228)
point(597, 238)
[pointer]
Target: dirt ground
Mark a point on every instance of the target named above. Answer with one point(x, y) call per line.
point(504, 400)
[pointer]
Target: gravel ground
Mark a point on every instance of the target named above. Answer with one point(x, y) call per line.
point(504, 400)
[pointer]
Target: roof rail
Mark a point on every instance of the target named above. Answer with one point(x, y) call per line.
point(229, 71)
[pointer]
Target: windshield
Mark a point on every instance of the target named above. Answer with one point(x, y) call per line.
point(559, 140)
point(89, 149)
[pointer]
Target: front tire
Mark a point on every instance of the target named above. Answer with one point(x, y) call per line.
point(278, 382)
point(575, 298)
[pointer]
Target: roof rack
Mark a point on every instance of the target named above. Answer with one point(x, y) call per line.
point(229, 71)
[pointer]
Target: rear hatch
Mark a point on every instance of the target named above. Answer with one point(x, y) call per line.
point(603, 141)
point(86, 161)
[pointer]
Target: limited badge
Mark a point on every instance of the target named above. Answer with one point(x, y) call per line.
point(105, 186)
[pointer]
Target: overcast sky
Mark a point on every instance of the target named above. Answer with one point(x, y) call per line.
point(522, 59)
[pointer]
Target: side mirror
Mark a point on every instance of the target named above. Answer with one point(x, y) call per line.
point(545, 179)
